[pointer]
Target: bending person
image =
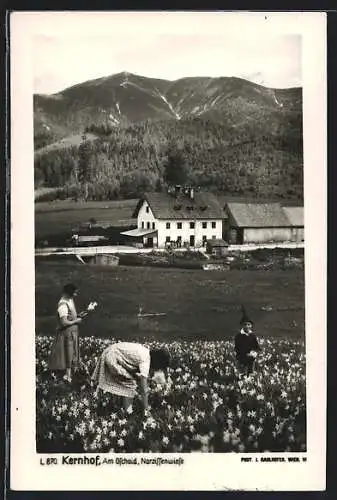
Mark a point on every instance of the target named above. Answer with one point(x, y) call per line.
point(125, 366)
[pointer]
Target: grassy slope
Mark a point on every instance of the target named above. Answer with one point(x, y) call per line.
point(198, 304)
point(61, 216)
point(73, 140)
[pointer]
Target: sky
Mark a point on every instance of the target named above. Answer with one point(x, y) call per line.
point(79, 50)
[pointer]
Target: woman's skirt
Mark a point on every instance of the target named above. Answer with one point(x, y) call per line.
point(111, 376)
point(65, 350)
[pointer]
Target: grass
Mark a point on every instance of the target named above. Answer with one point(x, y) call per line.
point(73, 140)
point(197, 304)
point(59, 217)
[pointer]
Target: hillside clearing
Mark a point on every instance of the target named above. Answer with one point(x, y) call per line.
point(66, 142)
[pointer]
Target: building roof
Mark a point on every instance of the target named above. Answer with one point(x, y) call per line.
point(258, 214)
point(295, 215)
point(168, 206)
point(136, 233)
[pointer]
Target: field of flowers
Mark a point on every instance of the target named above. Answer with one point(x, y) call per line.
point(205, 407)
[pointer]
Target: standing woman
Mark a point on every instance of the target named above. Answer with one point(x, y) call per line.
point(125, 366)
point(65, 351)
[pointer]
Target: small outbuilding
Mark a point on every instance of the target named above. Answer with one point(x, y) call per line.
point(262, 223)
point(216, 247)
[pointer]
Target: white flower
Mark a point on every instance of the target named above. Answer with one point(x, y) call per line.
point(251, 413)
point(165, 440)
point(226, 437)
point(120, 442)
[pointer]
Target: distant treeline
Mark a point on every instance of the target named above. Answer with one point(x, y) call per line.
point(259, 158)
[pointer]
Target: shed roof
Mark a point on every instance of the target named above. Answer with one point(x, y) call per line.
point(180, 207)
point(258, 214)
point(217, 242)
point(295, 215)
point(136, 233)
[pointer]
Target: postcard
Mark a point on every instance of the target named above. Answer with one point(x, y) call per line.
point(168, 251)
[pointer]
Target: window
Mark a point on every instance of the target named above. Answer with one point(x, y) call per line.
point(204, 225)
point(147, 210)
point(168, 225)
point(179, 238)
point(213, 225)
point(153, 225)
point(148, 225)
point(204, 238)
point(179, 225)
point(213, 237)
point(192, 225)
point(168, 239)
point(143, 224)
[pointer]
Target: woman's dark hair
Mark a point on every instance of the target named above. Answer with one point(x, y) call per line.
point(69, 289)
point(160, 359)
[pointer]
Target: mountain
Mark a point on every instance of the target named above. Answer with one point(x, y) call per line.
point(231, 134)
point(126, 98)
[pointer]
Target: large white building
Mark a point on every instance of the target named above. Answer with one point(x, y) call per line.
point(181, 218)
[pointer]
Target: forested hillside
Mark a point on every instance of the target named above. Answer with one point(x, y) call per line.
point(243, 141)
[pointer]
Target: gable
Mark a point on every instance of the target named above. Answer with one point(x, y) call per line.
point(295, 215)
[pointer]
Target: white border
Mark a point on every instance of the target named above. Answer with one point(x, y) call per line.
point(200, 471)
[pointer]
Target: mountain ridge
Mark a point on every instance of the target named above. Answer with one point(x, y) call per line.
point(126, 98)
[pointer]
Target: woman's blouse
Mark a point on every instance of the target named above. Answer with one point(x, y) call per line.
point(66, 308)
point(133, 357)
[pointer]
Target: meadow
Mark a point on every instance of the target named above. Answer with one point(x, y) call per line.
point(205, 407)
point(195, 304)
point(58, 218)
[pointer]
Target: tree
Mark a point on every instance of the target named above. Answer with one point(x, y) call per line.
point(86, 166)
point(175, 170)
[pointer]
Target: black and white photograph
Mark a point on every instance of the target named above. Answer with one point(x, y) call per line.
point(172, 244)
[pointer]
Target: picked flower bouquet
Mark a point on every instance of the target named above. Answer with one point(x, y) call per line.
point(90, 308)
